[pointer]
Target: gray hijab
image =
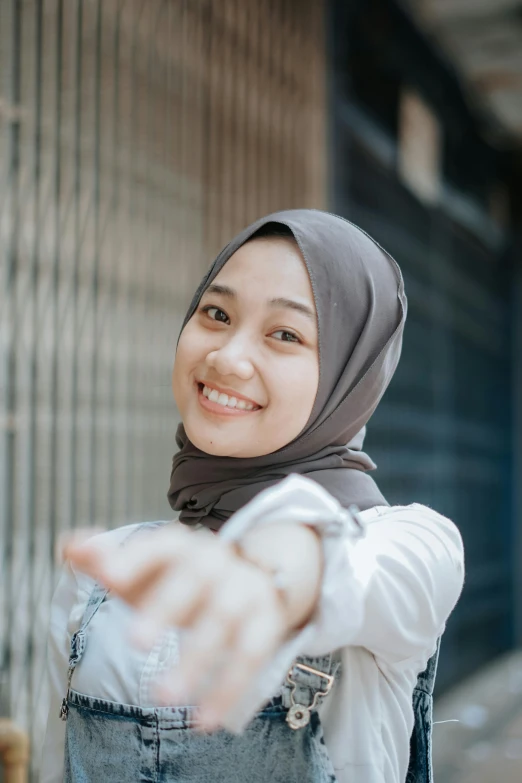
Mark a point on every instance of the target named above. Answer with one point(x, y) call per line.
point(361, 310)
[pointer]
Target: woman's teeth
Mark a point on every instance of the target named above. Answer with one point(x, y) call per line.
point(226, 401)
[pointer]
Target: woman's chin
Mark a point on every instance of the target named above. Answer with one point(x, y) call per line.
point(221, 446)
point(217, 446)
point(226, 440)
point(216, 449)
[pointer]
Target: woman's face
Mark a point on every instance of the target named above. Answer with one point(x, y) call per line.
point(247, 365)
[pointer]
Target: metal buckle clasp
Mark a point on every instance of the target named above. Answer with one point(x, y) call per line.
point(298, 715)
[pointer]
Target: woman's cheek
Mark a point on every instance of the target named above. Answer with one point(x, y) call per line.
point(188, 354)
point(284, 410)
point(300, 391)
point(181, 377)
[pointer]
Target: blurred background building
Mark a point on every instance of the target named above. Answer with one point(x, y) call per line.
point(137, 136)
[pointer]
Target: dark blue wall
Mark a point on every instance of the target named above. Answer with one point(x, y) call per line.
point(442, 434)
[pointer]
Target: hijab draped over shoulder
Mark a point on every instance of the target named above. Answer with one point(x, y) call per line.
point(361, 310)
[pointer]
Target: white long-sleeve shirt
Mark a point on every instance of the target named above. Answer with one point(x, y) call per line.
point(385, 599)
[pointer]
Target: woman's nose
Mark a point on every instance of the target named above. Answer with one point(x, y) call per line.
point(231, 359)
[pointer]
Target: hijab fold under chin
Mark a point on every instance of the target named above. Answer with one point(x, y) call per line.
point(361, 309)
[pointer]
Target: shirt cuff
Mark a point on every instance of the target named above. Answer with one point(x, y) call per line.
point(300, 500)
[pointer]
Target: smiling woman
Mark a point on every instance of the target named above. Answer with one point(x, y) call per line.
point(247, 364)
point(286, 648)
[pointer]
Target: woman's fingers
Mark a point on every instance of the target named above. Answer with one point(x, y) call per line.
point(73, 539)
point(179, 594)
point(202, 651)
point(135, 569)
point(256, 642)
point(89, 554)
point(219, 662)
point(207, 644)
point(233, 617)
point(144, 560)
point(175, 600)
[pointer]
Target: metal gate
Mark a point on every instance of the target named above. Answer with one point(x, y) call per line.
point(135, 137)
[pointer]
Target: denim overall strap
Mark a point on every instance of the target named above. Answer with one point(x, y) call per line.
point(308, 681)
point(420, 769)
point(96, 598)
point(426, 680)
point(78, 639)
point(77, 648)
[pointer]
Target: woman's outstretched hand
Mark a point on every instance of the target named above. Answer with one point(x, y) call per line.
point(233, 616)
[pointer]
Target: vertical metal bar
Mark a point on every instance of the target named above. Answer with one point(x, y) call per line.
point(271, 86)
point(254, 125)
point(56, 265)
point(33, 358)
point(157, 86)
point(73, 494)
point(206, 21)
point(96, 272)
point(295, 73)
point(286, 98)
point(130, 391)
point(265, 116)
point(198, 104)
point(172, 112)
point(181, 160)
point(333, 160)
point(116, 253)
point(516, 359)
point(248, 184)
point(274, 78)
point(12, 324)
point(284, 107)
point(226, 86)
point(4, 332)
point(318, 115)
point(185, 171)
point(240, 177)
point(129, 325)
point(148, 157)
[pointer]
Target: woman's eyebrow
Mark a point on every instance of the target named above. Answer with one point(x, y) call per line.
point(224, 290)
point(279, 301)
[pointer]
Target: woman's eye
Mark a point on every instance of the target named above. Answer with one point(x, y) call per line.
point(216, 314)
point(286, 337)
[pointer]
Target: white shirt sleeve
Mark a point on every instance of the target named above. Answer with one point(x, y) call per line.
point(406, 574)
point(390, 590)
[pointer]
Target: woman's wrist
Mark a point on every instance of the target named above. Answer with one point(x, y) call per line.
point(292, 555)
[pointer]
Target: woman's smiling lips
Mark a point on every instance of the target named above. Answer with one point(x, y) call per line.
point(222, 402)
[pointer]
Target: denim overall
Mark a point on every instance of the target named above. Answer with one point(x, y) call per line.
point(420, 766)
point(121, 743)
point(107, 741)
